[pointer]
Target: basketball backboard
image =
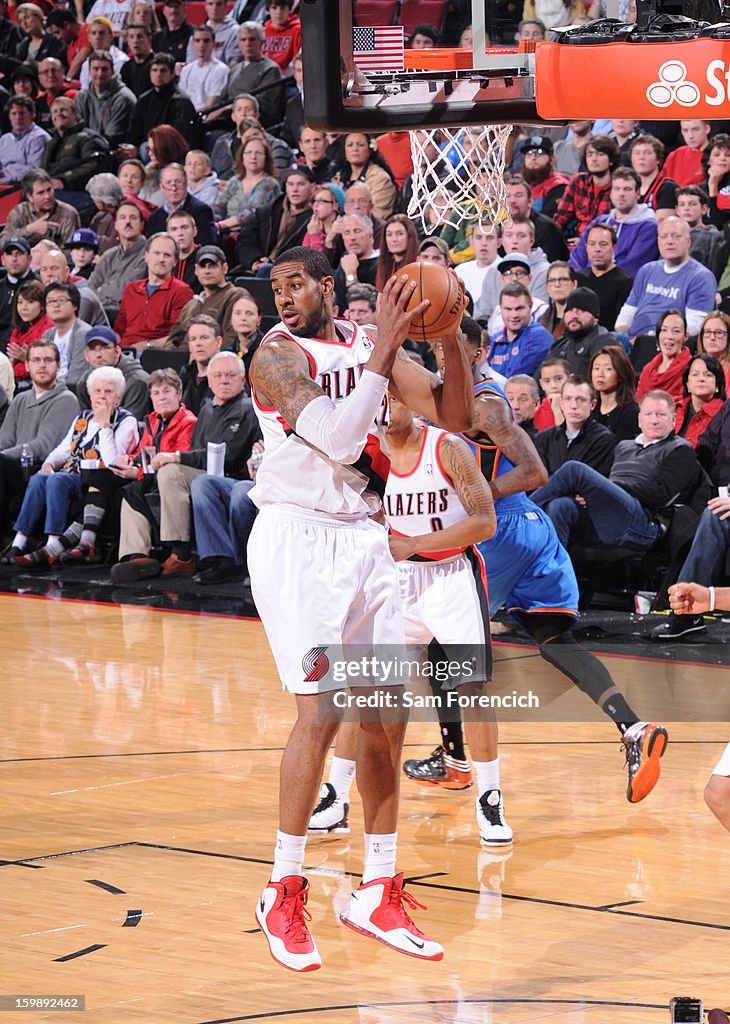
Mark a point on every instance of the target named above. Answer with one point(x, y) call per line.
point(364, 75)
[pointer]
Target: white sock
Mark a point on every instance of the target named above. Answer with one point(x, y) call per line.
point(19, 541)
point(379, 856)
point(288, 856)
point(487, 775)
point(342, 772)
point(54, 545)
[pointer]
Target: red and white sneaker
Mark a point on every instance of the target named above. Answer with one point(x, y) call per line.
point(378, 909)
point(282, 916)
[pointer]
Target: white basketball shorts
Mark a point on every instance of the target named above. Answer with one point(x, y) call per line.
point(319, 582)
point(444, 600)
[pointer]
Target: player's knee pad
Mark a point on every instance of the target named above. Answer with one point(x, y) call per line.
point(563, 652)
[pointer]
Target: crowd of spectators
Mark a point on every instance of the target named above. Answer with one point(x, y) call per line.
point(152, 164)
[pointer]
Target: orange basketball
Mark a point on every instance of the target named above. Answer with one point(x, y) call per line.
point(445, 293)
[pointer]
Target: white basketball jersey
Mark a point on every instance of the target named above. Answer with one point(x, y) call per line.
point(424, 500)
point(295, 473)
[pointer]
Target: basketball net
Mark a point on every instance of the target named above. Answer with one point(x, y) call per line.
point(459, 174)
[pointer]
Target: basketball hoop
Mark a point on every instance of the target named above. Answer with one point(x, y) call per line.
point(459, 174)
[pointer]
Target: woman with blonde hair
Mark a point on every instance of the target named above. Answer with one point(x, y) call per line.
point(143, 13)
point(327, 205)
point(38, 43)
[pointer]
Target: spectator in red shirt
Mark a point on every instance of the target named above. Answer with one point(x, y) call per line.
point(589, 193)
point(657, 190)
point(283, 33)
point(67, 29)
point(151, 305)
point(395, 149)
point(684, 165)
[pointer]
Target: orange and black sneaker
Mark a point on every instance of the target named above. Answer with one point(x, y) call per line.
point(440, 769)
point(645, 743)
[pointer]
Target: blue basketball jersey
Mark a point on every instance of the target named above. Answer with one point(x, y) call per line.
point(528, 570)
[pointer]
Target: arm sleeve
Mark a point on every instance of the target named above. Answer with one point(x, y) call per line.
point(626, 315)
point(340, 431)
point(695, 318)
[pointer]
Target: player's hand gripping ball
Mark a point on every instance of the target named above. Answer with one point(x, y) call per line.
point(445, 292)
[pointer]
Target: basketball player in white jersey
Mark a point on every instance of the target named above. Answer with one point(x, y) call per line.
point(693, 599)
point(438, 505)
point(322, 574)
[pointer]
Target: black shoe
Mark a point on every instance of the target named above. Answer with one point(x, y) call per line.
point(224, 570)
point(138, 568)
point(678, 626)
point(9, 555)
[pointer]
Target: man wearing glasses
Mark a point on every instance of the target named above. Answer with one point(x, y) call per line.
point(68, 333)
point(515, 268)
point(517, 237)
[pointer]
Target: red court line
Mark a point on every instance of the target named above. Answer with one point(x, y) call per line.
point(143, 608)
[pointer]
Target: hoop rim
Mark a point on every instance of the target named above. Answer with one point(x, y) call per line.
point(451, 58)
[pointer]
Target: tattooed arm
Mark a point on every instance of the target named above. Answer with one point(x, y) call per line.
point(280, 377)
point(448, 402)
point(474, 495)
point(493, 417)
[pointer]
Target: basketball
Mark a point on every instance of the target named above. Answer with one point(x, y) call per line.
point(445, 293)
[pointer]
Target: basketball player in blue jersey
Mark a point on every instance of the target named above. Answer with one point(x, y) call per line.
point(322, 574)
point(530, 572)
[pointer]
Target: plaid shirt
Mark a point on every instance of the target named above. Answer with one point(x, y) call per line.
point(62, 223)
point(581, 202)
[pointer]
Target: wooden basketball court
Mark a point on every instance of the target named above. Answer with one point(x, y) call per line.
point(140, 755)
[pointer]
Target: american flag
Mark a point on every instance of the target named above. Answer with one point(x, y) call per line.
point(379, 48)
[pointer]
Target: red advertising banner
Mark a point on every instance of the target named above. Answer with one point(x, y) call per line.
point(653, 81)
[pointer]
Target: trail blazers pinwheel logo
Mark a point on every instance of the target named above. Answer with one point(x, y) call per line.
point(673, 87)
point(315, 664)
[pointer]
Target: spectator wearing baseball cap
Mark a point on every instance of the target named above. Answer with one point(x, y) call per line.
point(103, 349)
point(15, 258)
point(583, 335)
point(176, 35)
point(539, 172)
point(83, 247)
point(434, 250)
point(216, 300)
point(515, 267)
